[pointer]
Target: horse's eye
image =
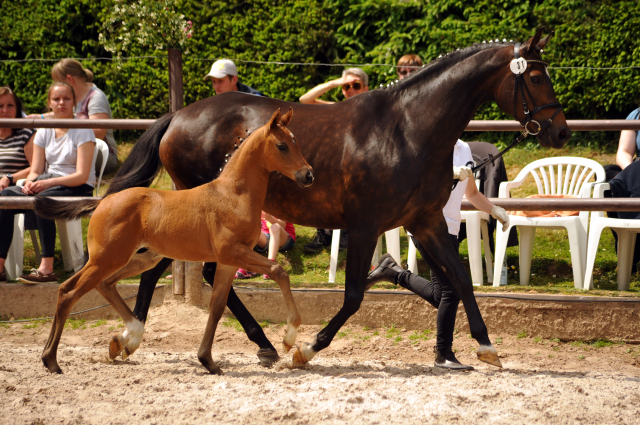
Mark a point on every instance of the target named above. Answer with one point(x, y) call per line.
point(282, 147)
point(535, 79)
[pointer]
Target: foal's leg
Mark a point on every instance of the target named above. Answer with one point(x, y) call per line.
point(221, 286)
point(267, 354)
point(444, 260)
point(246, 258)
point(68, 294)
point(359, 252)
point(130, 339)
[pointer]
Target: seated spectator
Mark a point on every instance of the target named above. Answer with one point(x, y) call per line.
point(408, 64)
point(91, 104)
point(224, 78)
point(276, 236)
point(354, 81)
point(626, 185)
point(16, 144)
point(62, 165)
point(628, 148)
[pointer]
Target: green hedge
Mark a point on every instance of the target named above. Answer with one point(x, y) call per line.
point(588, 34)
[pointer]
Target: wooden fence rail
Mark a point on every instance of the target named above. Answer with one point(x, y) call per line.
point(475, 125)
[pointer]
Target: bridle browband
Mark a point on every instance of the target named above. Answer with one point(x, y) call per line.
point(522, 86)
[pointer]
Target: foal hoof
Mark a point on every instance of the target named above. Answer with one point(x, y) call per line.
point(52, 365)
point(302, 355)
point(115, 347)
point(488, 354)
point(267, 356)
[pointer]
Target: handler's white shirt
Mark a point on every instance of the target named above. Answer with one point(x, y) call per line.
point(451, 211)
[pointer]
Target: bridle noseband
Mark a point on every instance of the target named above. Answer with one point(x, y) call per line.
point(521, 86)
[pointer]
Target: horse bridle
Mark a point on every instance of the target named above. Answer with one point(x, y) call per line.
point(522, 86)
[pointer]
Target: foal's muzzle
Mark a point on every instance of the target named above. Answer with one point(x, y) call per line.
point(304, 176)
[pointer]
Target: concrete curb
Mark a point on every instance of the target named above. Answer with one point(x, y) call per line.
point(546, 316)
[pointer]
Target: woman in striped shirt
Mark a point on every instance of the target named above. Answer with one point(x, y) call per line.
point(16, 144)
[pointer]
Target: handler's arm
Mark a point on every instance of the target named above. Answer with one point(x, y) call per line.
point(626, 148)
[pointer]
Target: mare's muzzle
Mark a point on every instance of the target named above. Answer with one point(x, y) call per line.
point(304, 176)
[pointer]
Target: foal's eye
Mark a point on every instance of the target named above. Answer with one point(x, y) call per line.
point(535, 79)
point(282, 147)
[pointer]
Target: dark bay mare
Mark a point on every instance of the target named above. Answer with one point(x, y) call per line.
point(382, 159)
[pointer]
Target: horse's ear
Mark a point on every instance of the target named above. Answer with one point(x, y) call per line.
point(275, 119)
point(533, 41)
point(287, 117)
point(543, 43)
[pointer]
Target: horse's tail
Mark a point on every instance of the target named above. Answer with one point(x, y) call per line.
point(143, 163)
point(52, 208)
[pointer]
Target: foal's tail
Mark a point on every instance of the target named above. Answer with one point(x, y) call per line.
point(53, 208)
point(143, 163)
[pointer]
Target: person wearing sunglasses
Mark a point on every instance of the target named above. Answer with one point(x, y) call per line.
point(354, 81)
point(408, 64)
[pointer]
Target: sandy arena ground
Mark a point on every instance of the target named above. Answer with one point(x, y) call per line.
point(366, 376)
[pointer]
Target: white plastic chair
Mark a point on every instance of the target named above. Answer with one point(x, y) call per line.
point(627, 231)
point(477, 233)
point(69, 232)
point(553, 176)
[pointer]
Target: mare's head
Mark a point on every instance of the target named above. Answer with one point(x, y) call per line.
point(532, 91)
point(282, 151)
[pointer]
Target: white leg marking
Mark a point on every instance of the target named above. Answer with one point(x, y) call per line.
point(132, 337)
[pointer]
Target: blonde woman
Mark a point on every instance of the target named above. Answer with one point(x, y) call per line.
point(91, 104)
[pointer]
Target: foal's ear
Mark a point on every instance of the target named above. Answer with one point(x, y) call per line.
point(533, 41)
point(287, 117)
point(275, 119)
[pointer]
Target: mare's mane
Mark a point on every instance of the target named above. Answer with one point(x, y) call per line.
point(437, 65)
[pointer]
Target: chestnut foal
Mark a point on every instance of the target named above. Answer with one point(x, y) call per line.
point(218, 221)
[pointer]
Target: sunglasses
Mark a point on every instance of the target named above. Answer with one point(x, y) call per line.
point(357, 85)
point(405, 72)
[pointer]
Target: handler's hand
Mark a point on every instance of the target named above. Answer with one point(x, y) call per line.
point(462, 173)
point(501, 215)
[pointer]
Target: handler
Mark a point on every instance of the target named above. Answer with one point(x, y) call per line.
point(442, 295)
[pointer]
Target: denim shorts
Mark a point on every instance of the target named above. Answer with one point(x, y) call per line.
point(287, 246)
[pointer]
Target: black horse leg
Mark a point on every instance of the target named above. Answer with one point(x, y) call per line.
point(360, 249)
point(148, 281)
point(267, 354)
point(444, 261)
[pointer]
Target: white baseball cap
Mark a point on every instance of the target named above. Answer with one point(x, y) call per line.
point(222, 68)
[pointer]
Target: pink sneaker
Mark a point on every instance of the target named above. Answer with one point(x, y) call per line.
point(245, 274)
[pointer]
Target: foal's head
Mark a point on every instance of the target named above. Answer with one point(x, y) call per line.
point(282, 152)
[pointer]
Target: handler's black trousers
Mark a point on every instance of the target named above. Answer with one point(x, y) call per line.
point(442, 296)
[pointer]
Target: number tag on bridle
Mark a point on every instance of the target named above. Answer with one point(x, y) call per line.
point(518, 66)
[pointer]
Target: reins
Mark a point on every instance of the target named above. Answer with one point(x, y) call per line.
point(518, 66)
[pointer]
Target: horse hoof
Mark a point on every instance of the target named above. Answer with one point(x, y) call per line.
point(286, 347)
point(488, 354)
point(115, 347)
point(302, 355)
point(268, 356)
point(52, 365)
point(126, 353)
point(213, 369)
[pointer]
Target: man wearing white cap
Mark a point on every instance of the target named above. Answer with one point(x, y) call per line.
point(224, 78)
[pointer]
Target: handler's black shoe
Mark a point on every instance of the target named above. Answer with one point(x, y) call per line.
point(447, 360)
point(387, 271)
point(319, 241)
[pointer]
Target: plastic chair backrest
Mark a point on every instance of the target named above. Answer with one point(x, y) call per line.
point(564, 175)
point(101, 146)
